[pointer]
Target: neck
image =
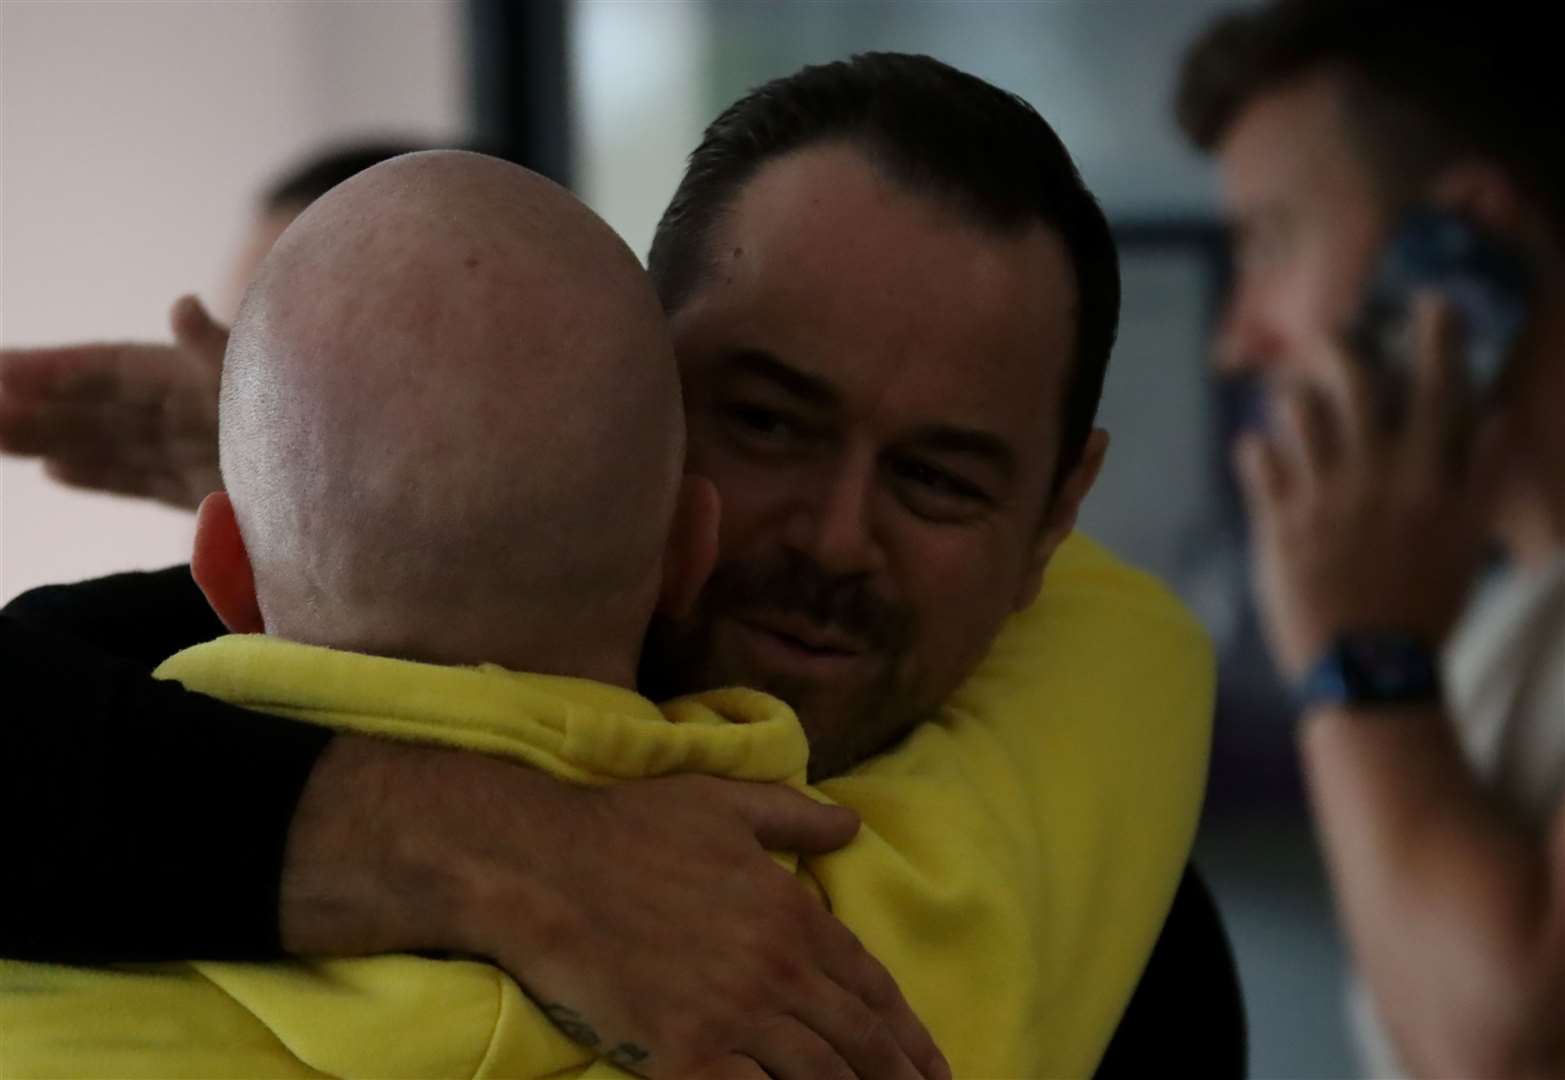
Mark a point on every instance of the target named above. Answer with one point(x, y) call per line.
point(562, 654)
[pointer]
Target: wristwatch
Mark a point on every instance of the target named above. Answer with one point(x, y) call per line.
point(1376, 669)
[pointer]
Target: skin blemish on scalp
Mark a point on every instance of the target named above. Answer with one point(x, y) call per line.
point(471, 262)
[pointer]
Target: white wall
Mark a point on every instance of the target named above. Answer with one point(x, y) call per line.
point(133, 135)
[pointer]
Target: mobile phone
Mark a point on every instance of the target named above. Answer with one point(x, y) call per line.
point(1478, 273)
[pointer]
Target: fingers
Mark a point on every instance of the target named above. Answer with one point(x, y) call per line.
point(111, 375)
point(872, 1023)
point(1439, 413)
point(861, 1012)
point(730, 1067)
point(74, 430)
point(787, 820)
point(1351, 395)
point(1305, 437)
point(787, 1049)
point(117, 479)
point(195, 329)
point(83, 373)
point(1262, 475)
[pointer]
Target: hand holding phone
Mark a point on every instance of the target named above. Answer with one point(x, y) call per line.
point(1479, 274)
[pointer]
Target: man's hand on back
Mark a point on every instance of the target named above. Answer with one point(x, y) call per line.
point(129, 419)
point(645, 918)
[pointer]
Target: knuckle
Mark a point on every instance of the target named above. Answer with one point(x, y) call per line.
point(876, 986)
point(780, 966)
point(875, 1044)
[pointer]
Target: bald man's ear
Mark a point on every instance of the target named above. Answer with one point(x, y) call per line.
point(692, 545)
point(1061, 516)
point(221, 566)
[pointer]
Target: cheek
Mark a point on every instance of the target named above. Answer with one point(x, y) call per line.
point(754, 499)
point(1304, 301)
point(1311, 299)
point(1334, 276)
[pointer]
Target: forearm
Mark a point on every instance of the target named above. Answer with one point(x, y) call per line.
point(1449, 906)
point(377, 859)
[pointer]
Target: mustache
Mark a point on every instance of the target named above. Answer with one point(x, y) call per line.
point(794, 584)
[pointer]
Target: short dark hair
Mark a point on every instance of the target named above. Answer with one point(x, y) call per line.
point(1423, 84)
point(937, 130)
point(307, 180)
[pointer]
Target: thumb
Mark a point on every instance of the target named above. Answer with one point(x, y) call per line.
point(196, 330)
point(784, 819)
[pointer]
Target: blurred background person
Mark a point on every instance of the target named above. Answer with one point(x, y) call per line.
point(287, 195)
point(142, 419)
point(1375, 493)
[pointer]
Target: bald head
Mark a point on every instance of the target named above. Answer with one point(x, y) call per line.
point(451, 427)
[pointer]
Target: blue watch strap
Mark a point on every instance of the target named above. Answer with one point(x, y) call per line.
point(1371, 669)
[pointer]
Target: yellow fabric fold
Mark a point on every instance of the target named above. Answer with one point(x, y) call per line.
point(1018, 855)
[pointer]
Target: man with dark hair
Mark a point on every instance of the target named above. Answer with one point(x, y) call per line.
point(287, 195)
point(886, 125)
point(1437, 786)
point(891, 338)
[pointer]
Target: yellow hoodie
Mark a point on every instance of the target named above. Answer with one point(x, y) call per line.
point(1017, 857)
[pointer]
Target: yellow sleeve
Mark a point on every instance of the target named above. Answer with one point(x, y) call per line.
point(1099, 698)
point(1019, 854)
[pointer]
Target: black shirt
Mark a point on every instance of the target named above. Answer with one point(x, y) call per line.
point(144, 821)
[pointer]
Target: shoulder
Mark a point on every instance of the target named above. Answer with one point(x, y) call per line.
point(144, 615)
point(1097, 615)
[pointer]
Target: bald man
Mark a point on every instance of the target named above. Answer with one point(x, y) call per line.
point(450, 391)
point(451, 435)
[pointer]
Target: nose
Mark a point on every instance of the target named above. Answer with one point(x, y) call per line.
point(833, 523)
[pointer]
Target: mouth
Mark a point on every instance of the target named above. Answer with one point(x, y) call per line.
point(786, 645)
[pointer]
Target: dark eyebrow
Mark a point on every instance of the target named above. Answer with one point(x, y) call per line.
point(762, 365)
point(988, 448)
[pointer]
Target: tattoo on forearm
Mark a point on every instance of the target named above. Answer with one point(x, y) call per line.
point(577, 1029)
point(573, 1023)
point(627, 1054)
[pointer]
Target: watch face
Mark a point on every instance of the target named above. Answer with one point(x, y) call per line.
point(1388, 667)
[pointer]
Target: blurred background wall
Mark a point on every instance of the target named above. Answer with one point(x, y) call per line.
point(134, 136)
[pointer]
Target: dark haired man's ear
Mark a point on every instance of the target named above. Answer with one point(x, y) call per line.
point(221, 566)
point(692, 545)
point(1060, 518)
